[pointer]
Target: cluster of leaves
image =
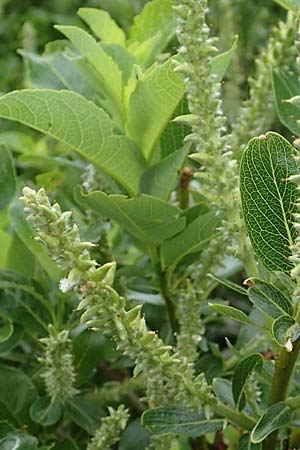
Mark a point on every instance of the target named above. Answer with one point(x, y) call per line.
point(101, 102)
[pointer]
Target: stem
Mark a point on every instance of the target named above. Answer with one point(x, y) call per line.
point(183, 189)
point(284, 367)
point(239, 419)
point(169, 304)
point(198, 443)
point(162, 277)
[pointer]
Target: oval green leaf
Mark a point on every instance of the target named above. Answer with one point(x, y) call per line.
point(6, 331)
point(268, 200)
point(192, 239)
point(242, 371)
point(46, 412)
point(280, 327)
point(160, 178)
point(232, 313)
point(18, 440)
point(229, 284)
point(286, 87)
point(269, 299)
point(179, 420)
point(276, 416)
point(245, 443)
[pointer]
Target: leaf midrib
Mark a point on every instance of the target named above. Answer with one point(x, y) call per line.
point(288, 231)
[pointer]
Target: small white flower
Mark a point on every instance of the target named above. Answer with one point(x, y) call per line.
point(65, 285)
point(289, 345)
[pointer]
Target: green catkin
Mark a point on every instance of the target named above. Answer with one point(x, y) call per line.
point(257, 113)
point(218, 173)
point(170, 379)
point(111, 427)
point(57, 361)
point(113, 391)
point(191, 327)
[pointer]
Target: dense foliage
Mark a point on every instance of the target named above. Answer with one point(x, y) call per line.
point(149, 225)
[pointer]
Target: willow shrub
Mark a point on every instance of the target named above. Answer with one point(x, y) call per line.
point(144, 210)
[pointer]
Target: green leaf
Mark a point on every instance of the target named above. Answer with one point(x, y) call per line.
point(17, 141)
point(160, 178)
point(154, 17)
point(7, 177)
point(5, 243)
point(148, 116)
point(39, 72)
point(268, 200)
point(18, 440)
point(25, 233)
point(85, 413)
point(220, 63)
point(89, 349)
point(229, 284)
point(192, 239)
point(148, 219)
point(232, 313)
point(152, 30)
point(125, 60)
point(135, 437)
point(104, 65)
point(284, 88)
point(284, 328)
point(276, 416)
point(5, 428)
point(269, 299)
point(223, 391)
point(174, 133)
point(66, 444)
point(46, 412)
point(23, 305)
point(245, 443)
point(6, 331)
point(242, 371)
point(13, 341)
point(19, 258)
point(179, 420)
point(57, 70)
point(75, 121)
point(17, 393)
point(280, 327)
point(103, 25)
point(293, 5)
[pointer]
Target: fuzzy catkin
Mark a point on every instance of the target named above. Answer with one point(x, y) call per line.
point(170, 379)
point(109, 432)
point(191, 327)
point(257, 113)
point(218, 174)
point(58, 368)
